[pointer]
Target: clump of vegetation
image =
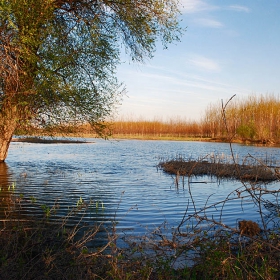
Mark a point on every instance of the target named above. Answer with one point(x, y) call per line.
point(249, 228)
point(254, 119)
point(45, 248)
point(246, 172)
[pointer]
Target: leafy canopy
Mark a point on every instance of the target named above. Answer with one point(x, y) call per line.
point(59, 57)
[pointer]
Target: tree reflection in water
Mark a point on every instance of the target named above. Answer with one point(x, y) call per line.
point(6, 191)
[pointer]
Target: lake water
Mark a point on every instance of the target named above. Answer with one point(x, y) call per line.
point(121, 182)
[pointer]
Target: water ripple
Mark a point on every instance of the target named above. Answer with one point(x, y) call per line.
point(118, 181)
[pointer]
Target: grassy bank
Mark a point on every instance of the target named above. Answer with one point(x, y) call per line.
point(167, 137)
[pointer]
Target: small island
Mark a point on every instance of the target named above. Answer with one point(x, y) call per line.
point(243, 172)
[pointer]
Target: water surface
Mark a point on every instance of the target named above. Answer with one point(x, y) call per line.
point(121, 181)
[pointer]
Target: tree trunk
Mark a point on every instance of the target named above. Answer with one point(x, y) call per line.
point(8, 123)
point(4, 146)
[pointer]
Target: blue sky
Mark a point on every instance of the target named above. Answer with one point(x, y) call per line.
point(230, 47)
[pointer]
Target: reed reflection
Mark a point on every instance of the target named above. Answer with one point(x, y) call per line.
point(6, 191)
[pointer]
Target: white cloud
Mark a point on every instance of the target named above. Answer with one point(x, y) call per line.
point(204, 63)
point(195, 6)
point(208, 22)
point(239, 8)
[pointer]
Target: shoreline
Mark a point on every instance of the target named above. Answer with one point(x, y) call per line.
point(38, 140)
point(144, 137)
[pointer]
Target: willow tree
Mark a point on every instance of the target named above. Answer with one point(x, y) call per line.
point(59, 57)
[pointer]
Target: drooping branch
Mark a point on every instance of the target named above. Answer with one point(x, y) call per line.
point(59, 57)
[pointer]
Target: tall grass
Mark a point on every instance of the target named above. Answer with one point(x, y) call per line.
point(255, 118)
point(157, 127)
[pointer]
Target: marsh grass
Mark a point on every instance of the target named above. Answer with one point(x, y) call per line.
point(254, 119)
point(255, 171)
point(45, 248)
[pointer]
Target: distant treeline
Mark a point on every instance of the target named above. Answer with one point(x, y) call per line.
point(256, 119)
point(157, 128)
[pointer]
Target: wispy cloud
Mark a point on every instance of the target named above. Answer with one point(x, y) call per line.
point(208, 22)
point(239, 8)
point(204, 63)
point(152, 93)
point(195, 6)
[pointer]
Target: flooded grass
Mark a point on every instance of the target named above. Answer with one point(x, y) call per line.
point(222, 170)
point(47, 249)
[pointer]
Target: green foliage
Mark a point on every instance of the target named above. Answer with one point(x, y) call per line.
point(60, 57)
point(246, 131)
point(47, 210)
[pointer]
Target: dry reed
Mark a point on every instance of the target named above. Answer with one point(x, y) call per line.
point(253, 119)
point(253, 173)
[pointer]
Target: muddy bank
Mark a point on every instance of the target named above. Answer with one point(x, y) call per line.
point(48, 141)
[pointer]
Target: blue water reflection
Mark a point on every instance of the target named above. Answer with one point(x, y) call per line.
point(123, 177)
